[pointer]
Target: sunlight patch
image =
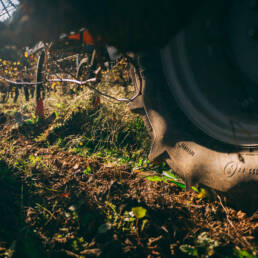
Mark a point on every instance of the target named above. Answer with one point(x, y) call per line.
point(7, 7)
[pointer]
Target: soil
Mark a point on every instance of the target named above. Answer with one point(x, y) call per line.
point(56, 209)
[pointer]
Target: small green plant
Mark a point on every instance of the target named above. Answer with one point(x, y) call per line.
point(59, 141)
point(129, 221)
point(168, 177)
point(139, 213)
point(244, 254)
point(87, 171)
point(35, 160)
point(204, 246)
point(31, 121)
point(56, 113)
point(20, 164)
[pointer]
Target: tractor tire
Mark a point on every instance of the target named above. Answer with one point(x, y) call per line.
point(195, 156)
point(192, 88)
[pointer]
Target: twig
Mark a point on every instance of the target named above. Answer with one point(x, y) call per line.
point(231, 224)
point(77, 82)
point(46, 210)
point(226, 211)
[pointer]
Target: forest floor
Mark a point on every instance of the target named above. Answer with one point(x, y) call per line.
point(79, 185)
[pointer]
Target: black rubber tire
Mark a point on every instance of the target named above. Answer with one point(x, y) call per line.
point(196, 157)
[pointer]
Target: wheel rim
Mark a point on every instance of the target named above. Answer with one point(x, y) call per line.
point(212, 70)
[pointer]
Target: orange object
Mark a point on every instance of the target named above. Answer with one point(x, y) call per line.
point(65, 195)
point(75, 36)
point(86, 37)
point(40, 109)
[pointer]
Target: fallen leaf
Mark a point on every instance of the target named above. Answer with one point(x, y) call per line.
point(241, 215)
point(96, 252)
point(139, 212)
point(76, 166)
